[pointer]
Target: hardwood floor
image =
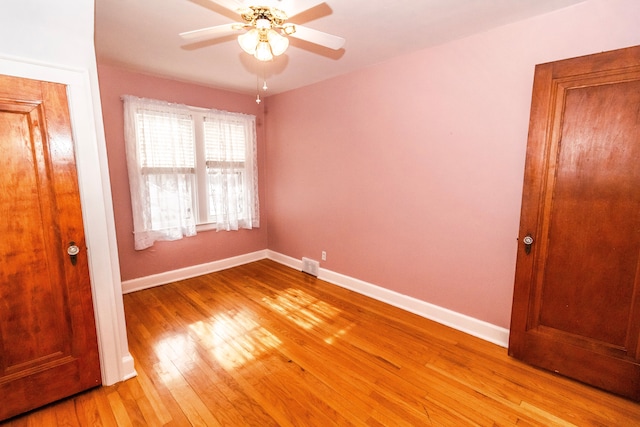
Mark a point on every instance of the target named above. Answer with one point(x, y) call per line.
point(265, 345)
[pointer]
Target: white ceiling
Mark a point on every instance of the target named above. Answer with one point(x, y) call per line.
point(142, 35)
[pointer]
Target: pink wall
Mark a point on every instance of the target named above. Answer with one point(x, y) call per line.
point(206, 246)
point(409, 173)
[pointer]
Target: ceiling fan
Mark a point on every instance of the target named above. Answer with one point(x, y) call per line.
point(265, 30)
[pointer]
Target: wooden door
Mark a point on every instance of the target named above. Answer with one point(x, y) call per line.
point(576, 307)
point(48, 344)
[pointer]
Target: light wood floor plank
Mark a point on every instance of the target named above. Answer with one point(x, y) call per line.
point(265, 345)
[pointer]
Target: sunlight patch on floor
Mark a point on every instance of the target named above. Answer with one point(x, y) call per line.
point(303, 309)
point(339, 334)
point(174, 347)
point(308, 312)
point(234, 339)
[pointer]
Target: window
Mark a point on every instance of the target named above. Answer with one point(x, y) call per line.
point(189, 167)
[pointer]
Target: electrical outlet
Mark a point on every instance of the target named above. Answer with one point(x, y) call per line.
point(324, 256)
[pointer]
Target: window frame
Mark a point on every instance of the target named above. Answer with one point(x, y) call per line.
point(242, 143)
point(204, 221)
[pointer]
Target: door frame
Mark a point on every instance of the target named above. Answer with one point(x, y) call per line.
point(116, 363)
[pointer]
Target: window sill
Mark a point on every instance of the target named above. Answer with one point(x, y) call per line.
point(205, 227)
point(213, 226)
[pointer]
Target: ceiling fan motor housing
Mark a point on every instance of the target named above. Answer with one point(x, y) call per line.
point(253, 14)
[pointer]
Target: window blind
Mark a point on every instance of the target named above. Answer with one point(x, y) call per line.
point(159, 136)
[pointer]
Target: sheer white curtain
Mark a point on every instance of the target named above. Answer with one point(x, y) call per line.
point(160, 149)
point(232, 170)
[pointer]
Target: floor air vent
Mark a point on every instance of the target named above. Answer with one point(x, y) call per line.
point(310, 266)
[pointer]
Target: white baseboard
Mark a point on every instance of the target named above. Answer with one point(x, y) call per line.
point(141, 283)
point(461, 322)
point(128, 368)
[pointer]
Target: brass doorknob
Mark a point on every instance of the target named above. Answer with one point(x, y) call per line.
point(73, 252)
point(528, 241)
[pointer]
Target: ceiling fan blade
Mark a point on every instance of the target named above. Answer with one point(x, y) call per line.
point(212, 32)
point(318, 37)
point(290, 7)
point(232, 5)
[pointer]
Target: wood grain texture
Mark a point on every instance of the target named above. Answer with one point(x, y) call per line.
point(576, 304)
point(48, 343)
point(262, 344)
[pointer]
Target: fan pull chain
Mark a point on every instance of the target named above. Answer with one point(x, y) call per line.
point(258, 100)
point(264, 84)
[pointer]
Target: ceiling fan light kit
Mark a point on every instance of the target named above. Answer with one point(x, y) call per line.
point(249, 41)
point(277, 42)
point(263, 44)
point(266, 33)
point(263, 52)
point(263, 40)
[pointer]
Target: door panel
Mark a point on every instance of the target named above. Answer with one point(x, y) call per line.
point(48, 345)
point(594, 212)
point(576, 299)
